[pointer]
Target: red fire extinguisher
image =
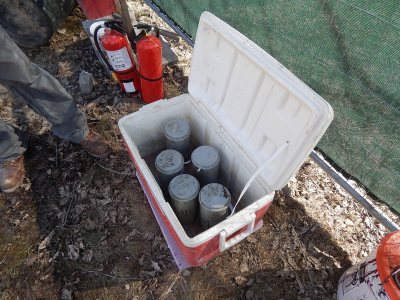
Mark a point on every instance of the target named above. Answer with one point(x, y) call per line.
point(120, 58)
point(149, 55)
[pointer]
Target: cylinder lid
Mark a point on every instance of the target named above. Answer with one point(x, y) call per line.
point(205, 157)
point(214, 196)
point(388, 262)
point(169, 162)
point(177, 129)
point(184, 187)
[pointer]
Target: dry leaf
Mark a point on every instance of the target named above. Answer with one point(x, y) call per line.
point(240, 280)
point(156, 266)
point(141, 260)
point(87, 255)
point(73, 252)
point(244, 267)
point(46, 241)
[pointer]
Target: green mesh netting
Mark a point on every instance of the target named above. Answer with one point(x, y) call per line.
point(348, 52)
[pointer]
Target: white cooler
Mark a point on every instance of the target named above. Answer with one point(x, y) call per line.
point(262, 119)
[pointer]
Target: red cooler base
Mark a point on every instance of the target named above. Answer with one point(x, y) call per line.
point(187, 257)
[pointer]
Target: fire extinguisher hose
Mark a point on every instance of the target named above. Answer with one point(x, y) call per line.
point(96, 42)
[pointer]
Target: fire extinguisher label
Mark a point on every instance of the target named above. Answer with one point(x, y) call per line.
point(129, 87)
point(120, 59)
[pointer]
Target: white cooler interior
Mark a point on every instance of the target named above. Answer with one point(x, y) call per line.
point(145, 129)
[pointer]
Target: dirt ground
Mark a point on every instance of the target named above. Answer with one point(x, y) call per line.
point(81, 228)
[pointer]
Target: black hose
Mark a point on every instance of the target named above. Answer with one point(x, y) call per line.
point(140, 35)
point(96, 42)
point(159, 31)
point(116, 25)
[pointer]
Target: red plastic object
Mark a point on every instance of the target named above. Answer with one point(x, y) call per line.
point(148, 50)
point(388, 262)
point(119, 54)
point(187, 256)
point(95, 9)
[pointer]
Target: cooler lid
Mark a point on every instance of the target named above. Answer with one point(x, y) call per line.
point(257, 100)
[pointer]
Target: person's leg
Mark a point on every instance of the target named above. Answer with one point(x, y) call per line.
point(12, 142)
point(44, 94)
point(41, 91)
point(12, 146)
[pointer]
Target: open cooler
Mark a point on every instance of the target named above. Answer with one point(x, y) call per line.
point(261, 118)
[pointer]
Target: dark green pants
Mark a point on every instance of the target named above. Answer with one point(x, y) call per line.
point(41, 92)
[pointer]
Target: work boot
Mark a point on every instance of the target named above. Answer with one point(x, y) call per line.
point(12, 173)
point(96, 145)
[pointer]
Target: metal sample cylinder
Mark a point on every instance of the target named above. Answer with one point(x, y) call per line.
point(177, 136)
point(205, 160)
point(169, 163)
point(214, 201)
point(184, 190)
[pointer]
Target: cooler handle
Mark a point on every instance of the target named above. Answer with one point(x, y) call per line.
point(224, 244)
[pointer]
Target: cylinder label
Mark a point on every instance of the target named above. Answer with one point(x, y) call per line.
point(120, 59)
